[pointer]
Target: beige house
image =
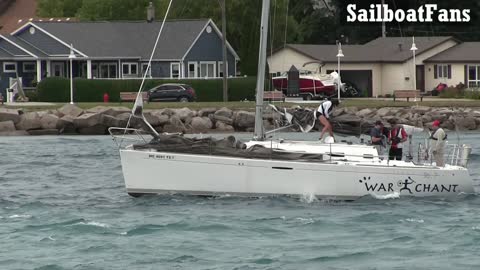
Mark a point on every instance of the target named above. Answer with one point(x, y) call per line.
point(378, 67)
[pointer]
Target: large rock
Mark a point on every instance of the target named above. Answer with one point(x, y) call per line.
point(152, 119)
point(161, 118)
point(201, 124)
point(70, 109)
point(244, 120)
point(220, 118)
point(421, 109)
point(14, 133)
point(97, 129)
point(464, 123)
point(206, 112)
point(100, 109)
point(44, 132)
point(224, 112)
point(222, 127)
point(88, 120)
point(9, 115)
point(65, 124)
point(49, 121)
point(384, 111)
point(364, 112)
point(7, 126)
point(110, 121)
point(337, 111)
point(175, 125)
point(184, 113)
point(28, 121)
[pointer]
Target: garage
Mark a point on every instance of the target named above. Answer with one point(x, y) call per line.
point(360, 79)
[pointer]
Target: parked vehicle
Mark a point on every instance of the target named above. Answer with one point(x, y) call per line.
point(311, 85)
point(172, 92)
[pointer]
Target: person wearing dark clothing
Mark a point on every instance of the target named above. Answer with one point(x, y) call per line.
point(379, 136)
point(396, 137)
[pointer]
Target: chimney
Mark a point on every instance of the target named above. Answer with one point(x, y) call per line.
point(400, 46)
point(150, 13)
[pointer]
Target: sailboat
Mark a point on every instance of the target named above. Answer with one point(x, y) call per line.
point(168, 163)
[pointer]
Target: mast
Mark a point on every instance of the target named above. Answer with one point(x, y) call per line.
point(259, 132)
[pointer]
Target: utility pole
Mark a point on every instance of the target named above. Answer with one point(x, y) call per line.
point(224, 47)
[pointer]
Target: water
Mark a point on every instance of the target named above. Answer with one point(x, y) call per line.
point(63, 206)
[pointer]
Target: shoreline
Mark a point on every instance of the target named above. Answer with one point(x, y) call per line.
point(73, 120)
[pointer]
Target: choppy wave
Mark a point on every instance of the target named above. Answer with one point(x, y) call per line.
point(394, 195)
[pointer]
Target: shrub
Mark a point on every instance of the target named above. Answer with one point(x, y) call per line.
point(58, 89)
point(472, 93)
point(452, 92)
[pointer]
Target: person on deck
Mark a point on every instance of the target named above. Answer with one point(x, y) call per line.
point(323, 115)
point(396, 137)
point(379, 136)
point(437, 143)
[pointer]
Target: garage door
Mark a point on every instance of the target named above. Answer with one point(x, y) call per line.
point(360, 79)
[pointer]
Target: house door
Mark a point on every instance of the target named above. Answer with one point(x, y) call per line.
point(420, 77)
point(58, 69)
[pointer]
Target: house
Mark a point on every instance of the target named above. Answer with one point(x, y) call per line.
point(113, 50)
point(378, 67)
point(459, 64)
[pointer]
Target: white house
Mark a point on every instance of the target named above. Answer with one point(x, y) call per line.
point(384, 65)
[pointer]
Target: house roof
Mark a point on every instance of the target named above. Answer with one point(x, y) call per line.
point(389, 49)
point(465, 52)
point(128, 39)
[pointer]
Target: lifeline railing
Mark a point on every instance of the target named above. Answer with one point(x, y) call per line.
point(122, 135)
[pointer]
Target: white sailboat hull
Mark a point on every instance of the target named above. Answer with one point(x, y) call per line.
point(161, 172)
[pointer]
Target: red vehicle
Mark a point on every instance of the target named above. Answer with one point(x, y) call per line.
point(312, 85)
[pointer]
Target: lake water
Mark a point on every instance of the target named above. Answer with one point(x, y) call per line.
point(63, 206)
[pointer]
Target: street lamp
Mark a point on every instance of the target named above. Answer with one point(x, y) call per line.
point(339, 55)
point(71, 57)
point(413, 49)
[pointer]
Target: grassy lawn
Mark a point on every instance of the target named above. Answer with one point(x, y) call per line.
point(250, 106)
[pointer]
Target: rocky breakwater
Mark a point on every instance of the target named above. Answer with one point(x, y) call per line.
point(419, 116)
point(71, 119)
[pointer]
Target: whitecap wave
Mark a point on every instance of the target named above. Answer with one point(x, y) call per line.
point(93, 223)
point(20, 216)
point(394, 195)
point(415, 220)
point(305, 221)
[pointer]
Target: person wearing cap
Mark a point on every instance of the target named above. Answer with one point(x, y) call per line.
point(396, 137)
point(323, 115)
point(437, 143)
point(379, 134)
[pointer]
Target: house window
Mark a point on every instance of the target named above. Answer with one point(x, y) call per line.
point(9, 67)
point(108, 70)
point(144, 69)
point(29, 67)
point(474, 76)
point(207, 69)
point(129, 69)
point(174, 70)
point(192, 69)
point(442, 71)
point(220, 69)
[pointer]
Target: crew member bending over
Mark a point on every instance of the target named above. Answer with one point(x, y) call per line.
point(323, 115)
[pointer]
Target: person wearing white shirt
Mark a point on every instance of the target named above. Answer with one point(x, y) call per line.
point(323, 115)
point(437, 143)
